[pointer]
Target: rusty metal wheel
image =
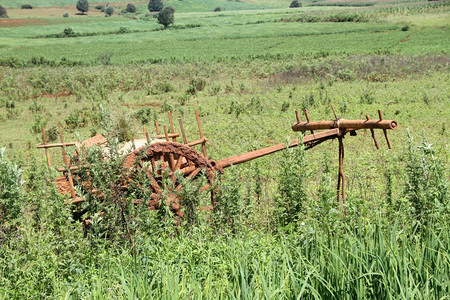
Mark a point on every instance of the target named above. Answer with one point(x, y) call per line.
point(158, 165)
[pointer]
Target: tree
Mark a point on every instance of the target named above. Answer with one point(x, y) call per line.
point(155, 5)
point(109, 11)
point(165, 17)
point(295, 3)
point(131, 8)
point(3, 13)
point(83, 6)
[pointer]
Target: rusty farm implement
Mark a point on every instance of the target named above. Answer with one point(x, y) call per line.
point(166, 158)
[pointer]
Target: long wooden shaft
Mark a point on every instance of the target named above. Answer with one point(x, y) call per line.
point(237, 159)
point(345, 124)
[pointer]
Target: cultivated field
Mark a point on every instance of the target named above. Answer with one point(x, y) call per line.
point(277, 231)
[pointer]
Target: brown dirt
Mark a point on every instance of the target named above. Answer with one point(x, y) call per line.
point(405, 39)
point(60, 95)
point(152, 104)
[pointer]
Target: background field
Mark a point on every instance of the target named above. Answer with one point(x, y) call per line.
point(258, 61)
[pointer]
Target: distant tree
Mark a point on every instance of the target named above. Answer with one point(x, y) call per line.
point(109, 11)
point(3, 13)
point(83, 6)
point(65, 15)
point(131, 8)
point(217, 9)
point(165, 17)
point(155, 5)
point(295, 3)
point(26, 6)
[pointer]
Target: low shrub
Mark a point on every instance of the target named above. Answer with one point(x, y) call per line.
point(26, 6)
point(295, 4)
point(131, 8)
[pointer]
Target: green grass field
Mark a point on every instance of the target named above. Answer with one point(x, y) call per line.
point(277, 231)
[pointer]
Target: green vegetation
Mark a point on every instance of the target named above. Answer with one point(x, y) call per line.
point(155, 5)
point(165, 16)
point(83, 6)
point(277, 231)
point(3, 12)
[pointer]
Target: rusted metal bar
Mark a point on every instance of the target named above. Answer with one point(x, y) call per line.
point(372, 132)
point(237, 159)
point(56, 145)
point(308, 120)
point(341, 175)
point(157, 128)
point(170, 135)
point(334, 111)
point(147, 137)
point(44, 141)
point(297, 116)
point(201, 135)
point(71, 168)
point(172, 130)
point(197, 142)
point(182, 131)
point(380, 114)
point(166, 134)
point(171, 158)
point(345, 124)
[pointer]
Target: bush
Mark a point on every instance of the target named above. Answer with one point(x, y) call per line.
point(65, 15)
point(295, 4)
point(109, 11)
point(131, 8)
point(426, 185)
point(165, 17)
point(26, 6)
point(100, 7)
point(155, 5)
point(10, 188)
point(217, 9)
point(292, 191)
point(83, 6)
point(3, 13)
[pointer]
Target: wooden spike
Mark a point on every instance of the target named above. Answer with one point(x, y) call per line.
point(44, 141)
point(182, 131)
